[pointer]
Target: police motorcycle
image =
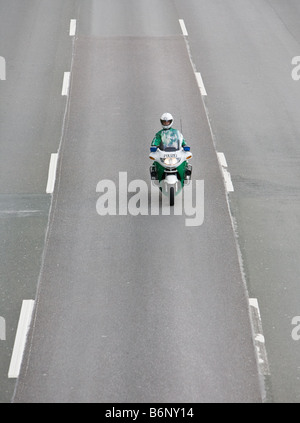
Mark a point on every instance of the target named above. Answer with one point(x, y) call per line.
point(171, 169)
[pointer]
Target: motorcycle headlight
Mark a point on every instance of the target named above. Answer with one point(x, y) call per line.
point(170, 161)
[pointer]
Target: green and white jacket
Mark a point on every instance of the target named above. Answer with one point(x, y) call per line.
point(169, 138)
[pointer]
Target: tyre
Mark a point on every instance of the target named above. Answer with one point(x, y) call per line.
point(172, 196)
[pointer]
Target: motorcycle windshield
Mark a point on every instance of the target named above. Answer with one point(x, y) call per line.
point(171, 140)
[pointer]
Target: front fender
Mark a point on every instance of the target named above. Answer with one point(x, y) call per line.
point(171, 179)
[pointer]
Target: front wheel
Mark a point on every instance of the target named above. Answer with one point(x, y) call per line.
point(172, 196)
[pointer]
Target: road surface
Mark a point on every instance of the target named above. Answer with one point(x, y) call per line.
point(136, 308)
point(146, 308)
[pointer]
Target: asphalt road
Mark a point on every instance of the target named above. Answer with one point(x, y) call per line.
point(35, 44)
point(136, 308)
point(145, 308)
point(245, 50)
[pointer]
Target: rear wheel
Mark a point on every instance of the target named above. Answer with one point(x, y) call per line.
point(172, 196)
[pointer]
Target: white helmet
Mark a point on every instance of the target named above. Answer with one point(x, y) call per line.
point(166, 120)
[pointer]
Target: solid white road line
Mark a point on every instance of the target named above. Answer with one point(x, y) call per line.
point(183, 27)
point(228, 182)
point(20, 339)
point(66, 84)
point(222, 159)
point(52, 173)
point(72, 27)
point(259, 339)
point(226, 174)
point(200, 83)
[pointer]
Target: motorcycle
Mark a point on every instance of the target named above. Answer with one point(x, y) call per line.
point(171, 169)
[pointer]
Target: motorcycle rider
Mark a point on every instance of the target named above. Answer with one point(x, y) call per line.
point(168, 136)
